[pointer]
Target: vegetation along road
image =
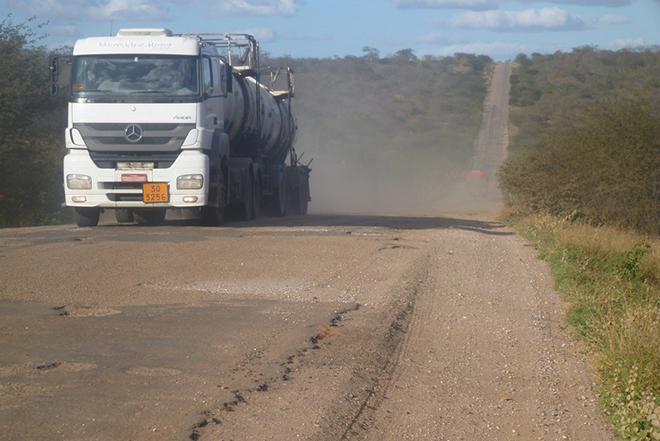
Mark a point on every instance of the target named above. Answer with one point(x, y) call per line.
point(437, 325)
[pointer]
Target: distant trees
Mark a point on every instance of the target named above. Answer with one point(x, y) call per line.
point(371, 53)
point(587, 140)
point(403, 56)
point(30, 147)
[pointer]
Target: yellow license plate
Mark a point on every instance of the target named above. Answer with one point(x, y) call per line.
point(155, 192)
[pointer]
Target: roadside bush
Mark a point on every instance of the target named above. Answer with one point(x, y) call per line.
point(600, 163)
point(31, 127)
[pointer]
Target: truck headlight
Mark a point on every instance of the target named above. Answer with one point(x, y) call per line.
point(189, 182)
point(79, 182)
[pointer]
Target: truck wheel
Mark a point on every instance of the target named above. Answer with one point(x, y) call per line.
point(214, 216)
point(279, 198)
point(256, 198)
point(304, 201)
point(154, 216)
point(124, 215)
point(87, 217)
point(244, 207)
point(299, 202)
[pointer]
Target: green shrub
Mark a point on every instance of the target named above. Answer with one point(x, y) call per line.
point(31, 127)
point(600, 163)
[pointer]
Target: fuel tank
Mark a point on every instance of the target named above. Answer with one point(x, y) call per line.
point(253, 113)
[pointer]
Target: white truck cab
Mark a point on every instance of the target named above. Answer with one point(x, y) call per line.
point(159, 121)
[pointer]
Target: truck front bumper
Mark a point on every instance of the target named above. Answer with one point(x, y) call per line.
point(113, 188)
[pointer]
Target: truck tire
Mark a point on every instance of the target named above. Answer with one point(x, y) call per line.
point(124, 216)
point(299, 202)
point(280, 197)
point(215, 216)
point(153, 216)
point(243, 209)
point(87, 217)
point(256, 198)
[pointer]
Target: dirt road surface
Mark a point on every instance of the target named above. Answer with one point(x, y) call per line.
point(439, 326)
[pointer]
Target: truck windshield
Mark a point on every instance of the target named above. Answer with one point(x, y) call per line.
point(136, 78)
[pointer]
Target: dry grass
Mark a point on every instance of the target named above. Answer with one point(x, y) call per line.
point(610, 279)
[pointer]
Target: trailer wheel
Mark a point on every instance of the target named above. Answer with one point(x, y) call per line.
point(256, 197)
point(304, 195)
point(244, 207)
point(299, 202)
point(124, 215)
point(280, 197)
point(154, 216)
point(87, 217)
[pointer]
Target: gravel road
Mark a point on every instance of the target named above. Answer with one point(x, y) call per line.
point(441, 325)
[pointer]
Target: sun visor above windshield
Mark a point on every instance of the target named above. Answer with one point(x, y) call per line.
point(137, 45)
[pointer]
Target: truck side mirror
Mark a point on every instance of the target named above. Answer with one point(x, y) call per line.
point(54, 74)
point(60, 74)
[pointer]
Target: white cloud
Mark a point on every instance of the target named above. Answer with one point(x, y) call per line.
point(632, 43)
point(138, 10)
point(99, 10)
point(149, 10)
point(447, 4)
point(608, 3)
point(480, 5)
point(254, 7)
point(530, 20)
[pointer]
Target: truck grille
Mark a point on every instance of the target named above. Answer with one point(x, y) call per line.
point(155, 137)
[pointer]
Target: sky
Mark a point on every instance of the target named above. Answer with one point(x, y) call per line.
point(337, 28)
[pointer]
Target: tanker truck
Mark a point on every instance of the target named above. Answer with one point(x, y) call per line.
point(160, 121)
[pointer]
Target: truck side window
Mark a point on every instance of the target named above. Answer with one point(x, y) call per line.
point(208, 77)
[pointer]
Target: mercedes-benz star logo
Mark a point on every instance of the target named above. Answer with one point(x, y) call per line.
point(133, 133)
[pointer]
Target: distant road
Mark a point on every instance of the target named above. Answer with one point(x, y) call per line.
point(477, 188)
point(492, 141)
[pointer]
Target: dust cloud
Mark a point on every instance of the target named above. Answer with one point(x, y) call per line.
point(339, 186)
point(358, 171)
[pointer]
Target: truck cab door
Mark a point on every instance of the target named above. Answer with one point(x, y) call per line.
point(215, 90)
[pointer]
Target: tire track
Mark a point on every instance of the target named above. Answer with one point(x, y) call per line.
point(403, 332)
